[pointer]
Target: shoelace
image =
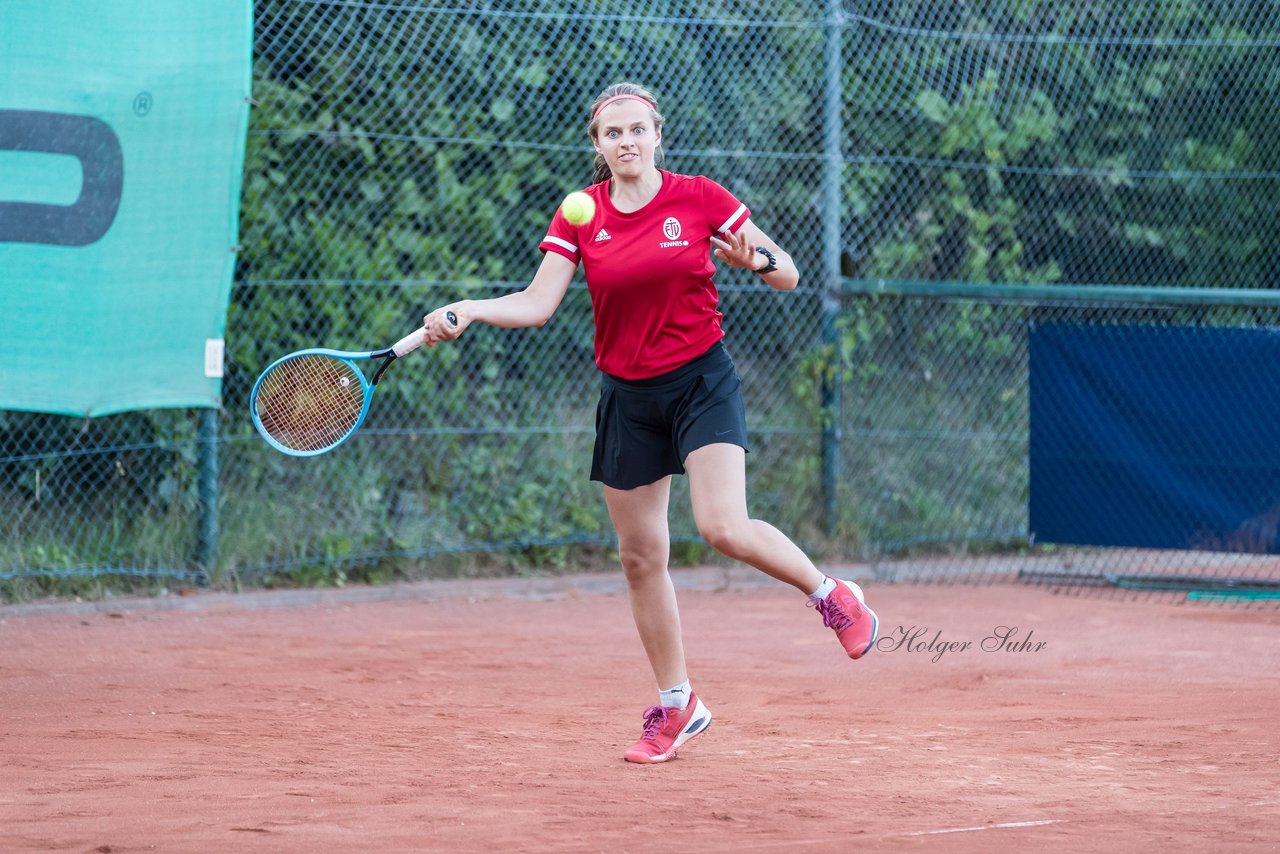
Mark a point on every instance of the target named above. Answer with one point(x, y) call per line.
point(654, 718)
point(833, 615)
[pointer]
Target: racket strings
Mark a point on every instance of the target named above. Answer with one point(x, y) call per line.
point(310, 402)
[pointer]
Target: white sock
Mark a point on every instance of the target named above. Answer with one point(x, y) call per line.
point(677, 697)
point(824, 589)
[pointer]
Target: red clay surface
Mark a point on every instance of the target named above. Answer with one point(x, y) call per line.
point(492, 716)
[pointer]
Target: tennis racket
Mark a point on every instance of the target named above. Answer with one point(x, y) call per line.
point(311, 401)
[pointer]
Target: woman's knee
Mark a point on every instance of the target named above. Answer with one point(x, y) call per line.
point(726, 536)
point(643, 560)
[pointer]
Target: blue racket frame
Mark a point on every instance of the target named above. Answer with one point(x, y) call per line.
point(348, 356)
point(403, 347)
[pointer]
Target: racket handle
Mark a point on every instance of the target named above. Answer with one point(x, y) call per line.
point(418, 337)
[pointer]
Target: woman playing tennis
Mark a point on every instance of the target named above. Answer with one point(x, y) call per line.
point(670, 399)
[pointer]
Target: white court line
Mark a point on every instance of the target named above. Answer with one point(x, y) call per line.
point(792, 843)
point(1040, 823)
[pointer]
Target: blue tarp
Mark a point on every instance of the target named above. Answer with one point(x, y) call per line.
point(1159, 437)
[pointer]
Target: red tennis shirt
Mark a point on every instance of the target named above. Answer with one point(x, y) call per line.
point(649, 273)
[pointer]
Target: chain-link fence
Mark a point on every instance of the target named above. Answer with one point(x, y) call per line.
point(404, 154)
point(943, 467)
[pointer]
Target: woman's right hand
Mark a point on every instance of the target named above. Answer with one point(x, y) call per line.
point(437, 327)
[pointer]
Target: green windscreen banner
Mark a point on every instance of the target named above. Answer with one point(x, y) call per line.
point(122, 134)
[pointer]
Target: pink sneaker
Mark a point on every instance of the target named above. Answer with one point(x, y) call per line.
point(845, 612)
point(666, 729)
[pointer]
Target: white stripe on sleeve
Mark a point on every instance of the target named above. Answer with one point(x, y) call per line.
point(728, 223)
point(564, 244)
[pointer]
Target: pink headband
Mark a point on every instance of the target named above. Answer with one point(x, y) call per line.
point(639, 98)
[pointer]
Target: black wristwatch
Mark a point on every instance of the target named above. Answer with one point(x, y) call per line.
point(773, 261)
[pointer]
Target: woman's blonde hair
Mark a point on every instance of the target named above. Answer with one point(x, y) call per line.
point(601, 171)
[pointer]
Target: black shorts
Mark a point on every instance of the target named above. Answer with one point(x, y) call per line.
point(646, 428)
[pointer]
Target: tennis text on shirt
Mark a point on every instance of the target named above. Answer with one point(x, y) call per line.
point(649, 273)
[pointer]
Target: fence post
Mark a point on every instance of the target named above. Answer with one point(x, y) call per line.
point(207, 494)
point(833, 163)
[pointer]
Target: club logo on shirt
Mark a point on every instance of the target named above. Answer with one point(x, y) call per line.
point(671, 228)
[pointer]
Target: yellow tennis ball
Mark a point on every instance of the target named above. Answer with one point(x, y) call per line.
point(578, 208)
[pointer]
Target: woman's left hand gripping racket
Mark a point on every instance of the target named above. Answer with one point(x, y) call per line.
point(311, 401)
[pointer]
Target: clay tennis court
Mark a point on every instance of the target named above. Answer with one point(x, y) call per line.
point(492, 715)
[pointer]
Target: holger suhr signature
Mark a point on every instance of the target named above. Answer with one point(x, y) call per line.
point(919, 639)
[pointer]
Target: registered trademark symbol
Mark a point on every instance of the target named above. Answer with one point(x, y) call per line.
point(142, 104)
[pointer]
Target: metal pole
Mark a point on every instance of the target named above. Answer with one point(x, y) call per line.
point(207, 492)
point(833, 162)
